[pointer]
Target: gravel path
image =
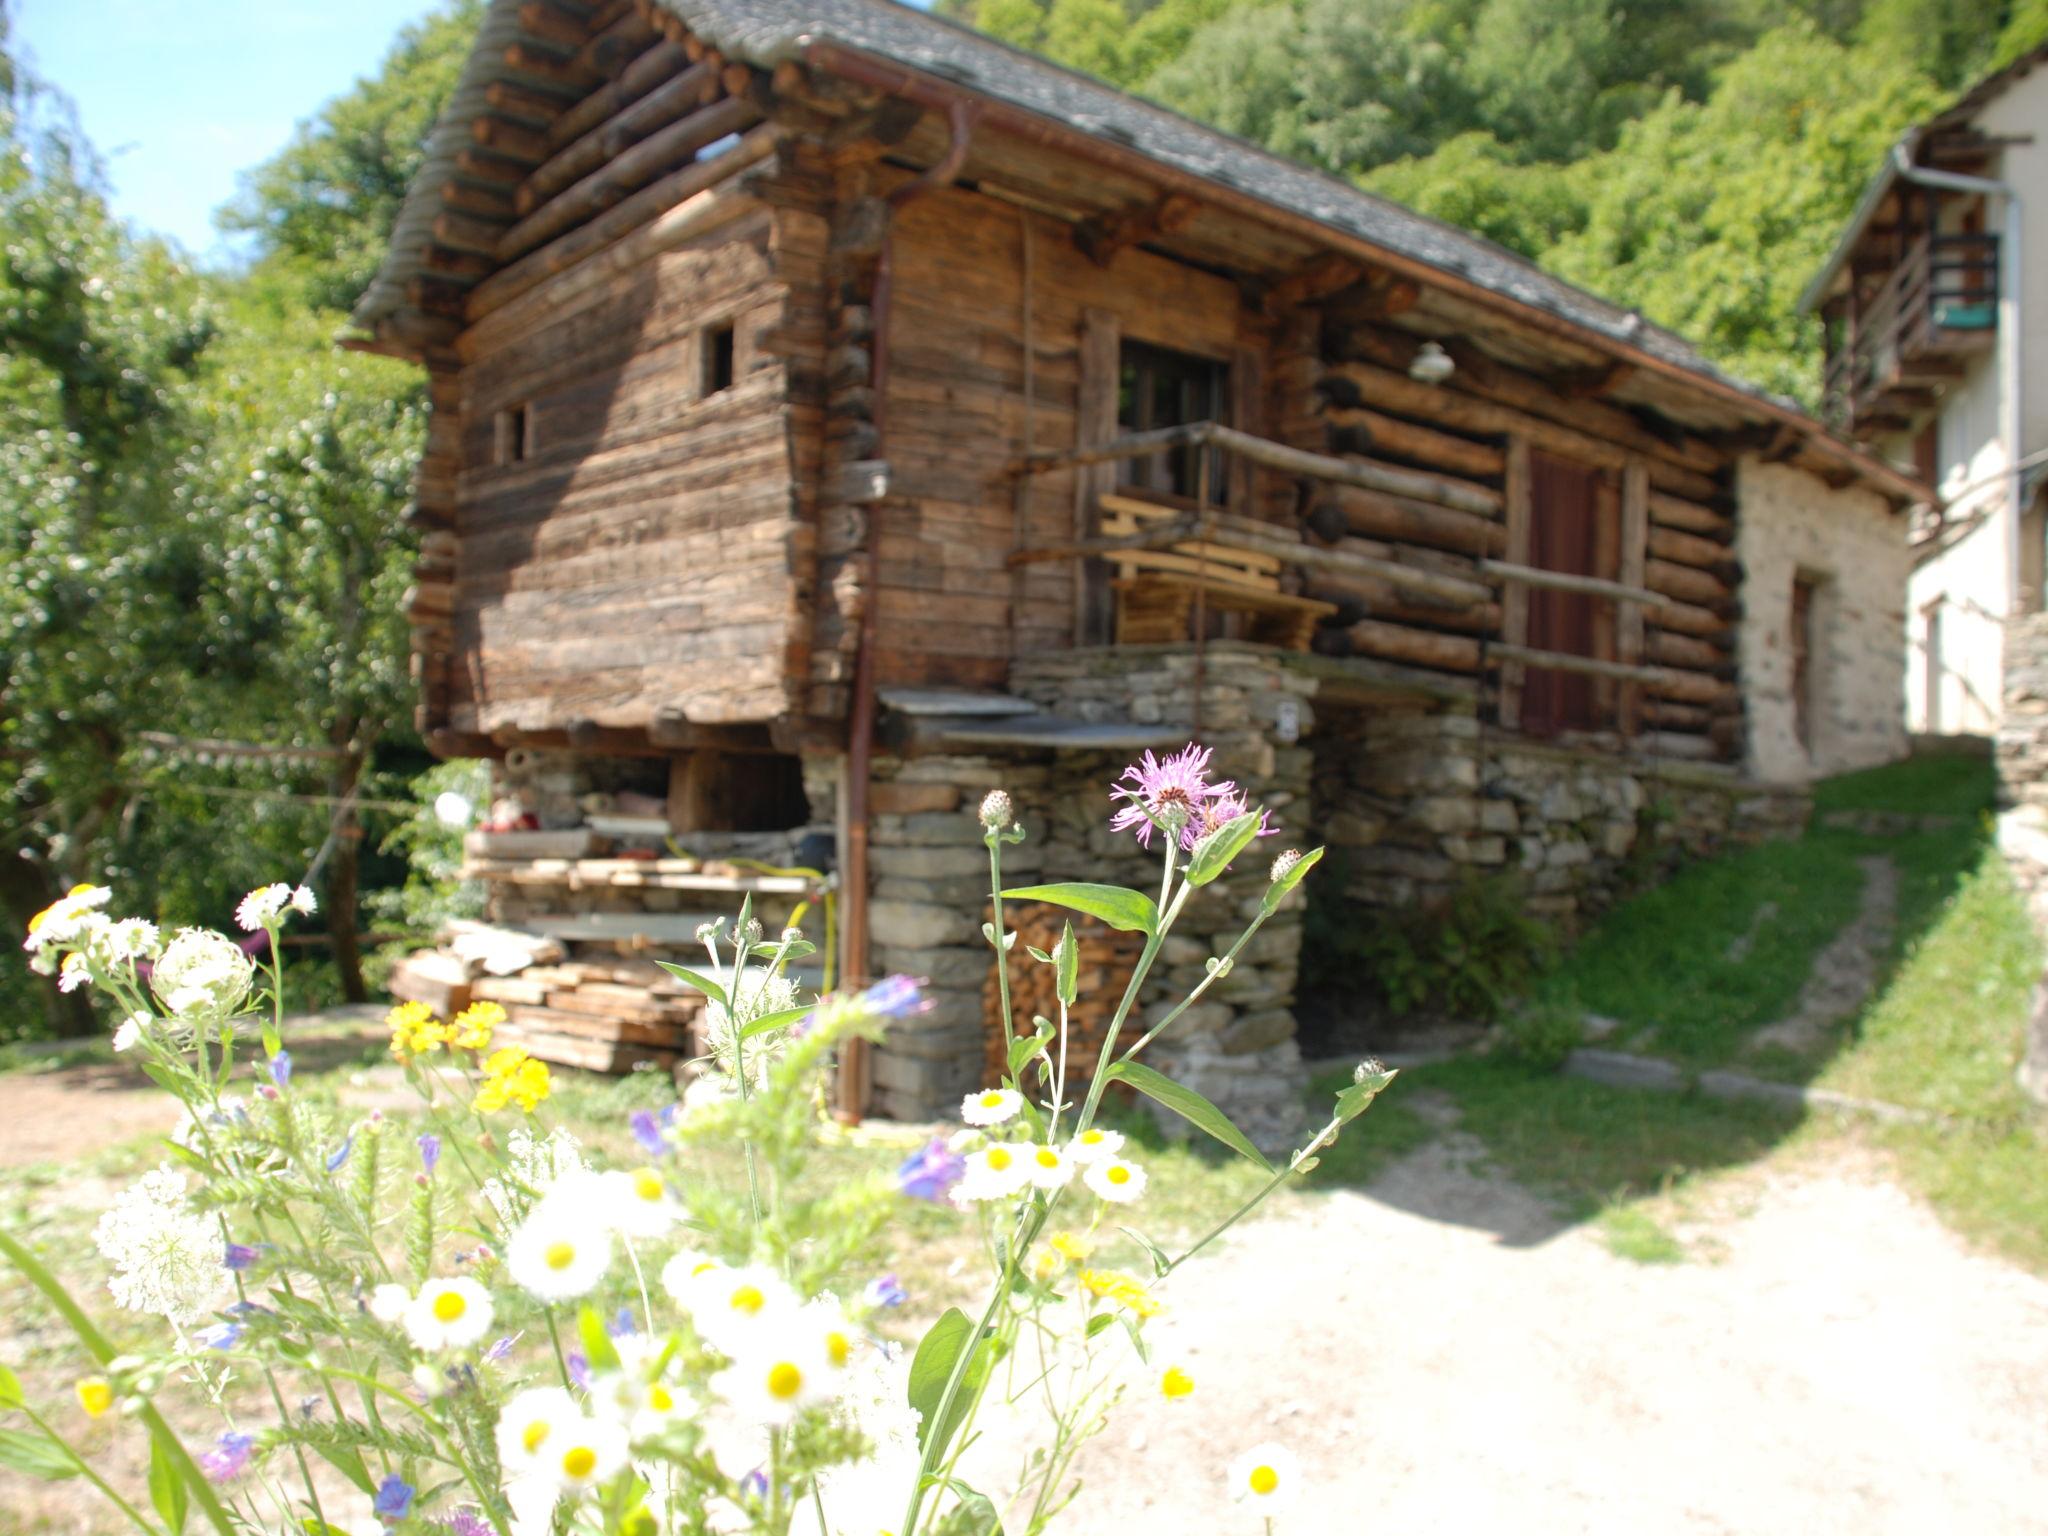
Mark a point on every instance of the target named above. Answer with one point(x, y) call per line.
point(1444, 1358)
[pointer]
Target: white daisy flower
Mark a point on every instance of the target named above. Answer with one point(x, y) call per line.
point(124, 942)
point(387, 1303)
point(645, 1407)
point(260, 907)
point(1116, 1180)
point(526, 1426)
point(773, 1383)
point(561, 1250)
point(1049, 1167)
point(129, 1035)
point(74, 973)
point(448, 1314)
point(538, 1163)
point(993, 1173)
point(838, 1340)
point(1267, 1478)
point(1095, 1144)
point(683, 1267)
point(583, 1453)
point(734, 1309)
point(638, 1204)
point(67, 917)
point(992, 1106)
point(304, 902)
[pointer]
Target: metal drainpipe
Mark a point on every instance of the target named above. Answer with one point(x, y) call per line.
point(2011, 292)
point(860, 746)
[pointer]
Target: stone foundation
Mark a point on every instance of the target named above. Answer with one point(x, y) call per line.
point(2022, 754)
point(1413, 803)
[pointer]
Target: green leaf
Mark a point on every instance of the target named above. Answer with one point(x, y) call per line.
point(932, 1367)
point(10, 1389)
point(1125, 910)
point(974, 1515)
point(1024, 1047)
point(1161, 1264)
point(1189, 1105)
point(988, 932)
point(598, 1348)
point(799, 949)
point(34, 1456)
point(1100, 1321)
point(702, 983)
point(1355, 1100)
point(774, 1020)
point(348, 1461)
point(1066, 959)
point(167, 1490)
point(1287, 882)
point(1213, 853)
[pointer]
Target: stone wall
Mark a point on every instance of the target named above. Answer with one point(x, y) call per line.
point(1791, 526)
point(931, 876)
point(1413, 803)
point(2023, 804)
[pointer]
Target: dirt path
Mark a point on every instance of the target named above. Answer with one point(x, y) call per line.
point(1443, 1358)
point(1844, 972)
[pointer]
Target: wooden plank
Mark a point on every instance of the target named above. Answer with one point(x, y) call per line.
point(1223, 594)
point(1095, 413)
point(577, 159)
point(647, 71)
point(1410, 440)
point(1567, 581)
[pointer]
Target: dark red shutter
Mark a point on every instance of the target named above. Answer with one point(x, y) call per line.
point(1563, 536)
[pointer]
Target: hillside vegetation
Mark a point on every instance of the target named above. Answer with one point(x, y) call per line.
point(1694, 159)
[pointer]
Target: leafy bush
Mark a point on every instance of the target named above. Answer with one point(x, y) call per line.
point(1471, 957)
point(1544, 1031)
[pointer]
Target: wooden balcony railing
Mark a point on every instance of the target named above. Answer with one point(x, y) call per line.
point(1938, 304)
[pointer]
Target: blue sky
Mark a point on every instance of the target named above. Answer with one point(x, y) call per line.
point(182, 95)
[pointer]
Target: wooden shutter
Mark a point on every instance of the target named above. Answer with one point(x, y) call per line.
point(1566, 533)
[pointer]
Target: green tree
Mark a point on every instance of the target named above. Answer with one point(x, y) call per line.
point(321, 211)
point(1477, 182)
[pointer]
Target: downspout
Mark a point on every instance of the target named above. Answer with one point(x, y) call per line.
point(2011, 276)
point(860, 747)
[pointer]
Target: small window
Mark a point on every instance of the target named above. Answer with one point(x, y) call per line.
point(718, 359)
point(1158, 387)
point(515, 434)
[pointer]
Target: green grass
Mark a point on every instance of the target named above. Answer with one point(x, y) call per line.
point(1938, 784)
point(1632, 1233)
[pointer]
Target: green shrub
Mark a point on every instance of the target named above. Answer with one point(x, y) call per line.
point(1544, 1031)
point(1471, 957)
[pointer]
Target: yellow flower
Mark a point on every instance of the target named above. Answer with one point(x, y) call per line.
point(472, 1027)
point(1113, 1285)
point(512, 1077)
point(1175, 1384)
point(95, 1396)
point(415, 1031)
point(1072, 1245)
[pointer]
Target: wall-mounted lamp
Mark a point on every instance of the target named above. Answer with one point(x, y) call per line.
point(1432, 364)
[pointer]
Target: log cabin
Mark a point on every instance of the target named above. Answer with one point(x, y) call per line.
point(838, 414)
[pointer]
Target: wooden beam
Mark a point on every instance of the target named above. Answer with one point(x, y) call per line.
point(536, 109)
point(1514, 603)
point(513, 140)
point(1565, 581)
point(1628, 619)
point(661, 106)
point(1317, 281)
point(1594, 383)
point(1409, 440)
point(641, 76)
point(1102, 235)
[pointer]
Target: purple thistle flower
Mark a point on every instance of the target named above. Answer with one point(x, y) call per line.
point(502, 1350)
point(931, 1172)
point(884, 1291)
point(394, 1500)
point(1225, 808)
point(241, 1257)
point(229, 1458)
point(340, 1154)
point(1167, 793)
point(430, 1152)
point(221, 1336)
point(469, 1521)
point(579, 1369)
point(896, 997)
point(647, 1130)
point(281, 1069)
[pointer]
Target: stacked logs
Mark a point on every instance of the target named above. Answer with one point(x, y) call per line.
point(1445, 512)
point(1107, 960)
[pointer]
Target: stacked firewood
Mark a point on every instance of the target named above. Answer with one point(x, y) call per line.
point(1107, 959)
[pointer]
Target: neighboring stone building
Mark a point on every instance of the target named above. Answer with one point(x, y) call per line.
point(838, 414)
point(1935, 299)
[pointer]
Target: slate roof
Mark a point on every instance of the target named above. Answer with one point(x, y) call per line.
point(766, 32)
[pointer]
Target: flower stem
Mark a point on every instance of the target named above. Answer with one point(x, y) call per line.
point(85, 1467)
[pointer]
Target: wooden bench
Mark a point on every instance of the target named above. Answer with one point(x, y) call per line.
point(1158, 590)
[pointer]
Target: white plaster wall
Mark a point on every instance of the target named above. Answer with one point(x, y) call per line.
point(1955, 672)
point(1789, 524)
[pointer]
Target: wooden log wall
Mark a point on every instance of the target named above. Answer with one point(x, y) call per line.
point(958, 412)
point(1458, 520)
point(617, 528)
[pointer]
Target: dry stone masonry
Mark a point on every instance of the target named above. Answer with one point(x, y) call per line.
point(2023, 803)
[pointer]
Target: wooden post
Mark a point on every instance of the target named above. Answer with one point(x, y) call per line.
point(1635, 539)
point(1514, 600)
point(1094, 425)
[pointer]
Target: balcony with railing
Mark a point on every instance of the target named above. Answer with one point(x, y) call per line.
point(1891, 350)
